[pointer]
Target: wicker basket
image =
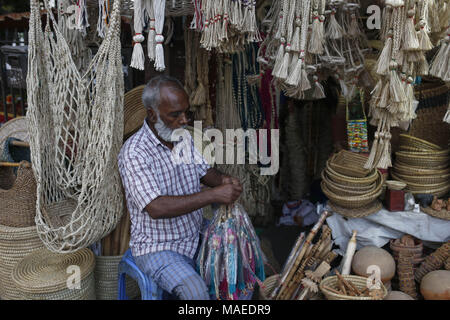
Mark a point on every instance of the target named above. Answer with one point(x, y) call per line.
point(410, 170)
point(354, 202)
point(419, 186)
point(411, 141)
point(344, 190)
point(432, 179)
point(443, 214)
point(45, 275)
point(268, 286)
point(416, 250)
point(349, 164)
point(17, 128)
point(421, 150)
point(17, 196)
point(395, 185)
point(346, 180)
point(414, 159)
point(364, 211)
point(357, 281)
point(106, 279)
point(134, 111)
point(15, 244)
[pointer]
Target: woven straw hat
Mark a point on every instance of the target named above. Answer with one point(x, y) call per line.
point(17, 128)
point(44, 275)
point(134, 111)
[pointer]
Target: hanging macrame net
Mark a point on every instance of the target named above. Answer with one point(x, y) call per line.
point(173, 8)
point(76, 128)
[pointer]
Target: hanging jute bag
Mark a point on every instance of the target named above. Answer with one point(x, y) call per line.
point(107, 277)
point(45, 275)
point(15, 243)
point(17, 196)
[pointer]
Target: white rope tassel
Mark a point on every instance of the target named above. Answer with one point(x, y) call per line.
point(424, 40)
point(159, 7)
point(440, 65)
point(410, 41)
point(151, 31)
point(138, 57)
point(316, 40)
point(382, 66)
point(334, 29)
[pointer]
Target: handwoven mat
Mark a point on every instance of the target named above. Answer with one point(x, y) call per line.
point(359, 212)
point(443, 214)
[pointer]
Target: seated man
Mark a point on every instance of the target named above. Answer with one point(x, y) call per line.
point(164, 198)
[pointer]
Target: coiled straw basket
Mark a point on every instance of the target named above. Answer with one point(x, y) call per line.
point(106, 279)
point(15, 244)
point(45, 275)
point(357, 281)
point(17, 196)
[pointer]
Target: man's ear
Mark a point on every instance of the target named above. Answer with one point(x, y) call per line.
point(152, 116)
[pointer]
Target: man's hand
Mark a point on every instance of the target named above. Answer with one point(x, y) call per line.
point(230, 180)
point(227, 193)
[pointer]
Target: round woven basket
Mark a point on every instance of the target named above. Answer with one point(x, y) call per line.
point(410, 170)
point(428, 161)
point(431, 179)
point(268, 286)
point(416, 250)
point(106, 279)
point(364, 211)
point(15, 244)
point(443, 214)
point(423, 151)
point(414, 142)
point(346, 180)
point(17, 196)
point(355, 201)
point(344, 190)
point(419, 186)
point(349, 164)
point(395, 185)
point(357, 281)
point(45, 275)
point(17, 128)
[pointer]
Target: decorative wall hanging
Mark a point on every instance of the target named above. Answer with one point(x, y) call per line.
point(357, 126)
point(79, 116)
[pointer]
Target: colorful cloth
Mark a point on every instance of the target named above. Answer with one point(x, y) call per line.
point(148, 171)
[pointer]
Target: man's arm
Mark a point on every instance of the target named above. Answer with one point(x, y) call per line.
point(165, 207)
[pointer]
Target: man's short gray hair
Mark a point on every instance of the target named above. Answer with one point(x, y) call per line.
point(151, 95)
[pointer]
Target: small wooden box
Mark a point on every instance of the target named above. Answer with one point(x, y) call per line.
point(395, 200)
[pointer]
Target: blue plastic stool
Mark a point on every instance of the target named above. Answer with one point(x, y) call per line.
point(149, 289)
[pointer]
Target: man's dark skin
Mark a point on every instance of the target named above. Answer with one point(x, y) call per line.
point(174, 104)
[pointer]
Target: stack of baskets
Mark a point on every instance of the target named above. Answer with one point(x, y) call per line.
point(352, 190)
point(423, 166)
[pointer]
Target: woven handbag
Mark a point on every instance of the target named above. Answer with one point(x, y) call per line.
point(357, 127)
point(17, 196)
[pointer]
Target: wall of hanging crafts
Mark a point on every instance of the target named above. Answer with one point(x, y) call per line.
point(308, 41)
point(407, 29)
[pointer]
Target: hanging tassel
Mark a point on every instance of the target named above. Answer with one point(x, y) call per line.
point(159, 7)
point(279, 58)
point(423, 67)
point(410, 41)
point(316, 39)
point(334, 29)
point(151, 30)
point(294, 62)
point(423, 38)
point(304, 81)
point(382, 66)
point(294, 76)
point(318, 89)
point(384, 97)
point(447, 116)
point(411, 114)
point(295, 42)
point(138, 57)
point(440, 65)
point(385, 159)
point(370, 161)
point(397, 94)
point(353, 31)
point(283, 74)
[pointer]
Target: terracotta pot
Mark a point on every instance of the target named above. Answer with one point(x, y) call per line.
point(436, 285)
point(372, 255)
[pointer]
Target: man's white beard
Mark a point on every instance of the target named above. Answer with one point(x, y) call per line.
point(164, 132)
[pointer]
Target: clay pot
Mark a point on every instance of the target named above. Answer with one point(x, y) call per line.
point(398, 295)
point(372, 255)
point(436, 285)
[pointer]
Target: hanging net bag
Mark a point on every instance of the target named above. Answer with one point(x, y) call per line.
point(76, 130)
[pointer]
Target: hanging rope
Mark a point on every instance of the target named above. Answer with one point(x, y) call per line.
point(76, 130)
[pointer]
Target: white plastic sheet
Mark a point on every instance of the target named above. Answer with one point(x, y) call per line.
point(378, 228)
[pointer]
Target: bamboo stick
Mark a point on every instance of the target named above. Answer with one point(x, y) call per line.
point(332, 290)
point(307, 243)
point(14, 164)
point(107, 245)
point(348, 284)
point(115, 248)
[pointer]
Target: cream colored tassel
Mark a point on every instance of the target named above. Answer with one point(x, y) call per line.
point(316, 39)
point(279, 58)
point(138, 57)
point(353, 30)
point(396, 91)
point(159, 10)
point(151, 31)
point(334, 29)
point(410, 41)
point(382, 66)
point(295, 43)
point(318, 89)
point(424, 40)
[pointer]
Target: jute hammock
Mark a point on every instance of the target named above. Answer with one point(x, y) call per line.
point(76, 128)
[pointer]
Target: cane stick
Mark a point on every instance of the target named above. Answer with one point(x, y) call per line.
point(125, 233)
